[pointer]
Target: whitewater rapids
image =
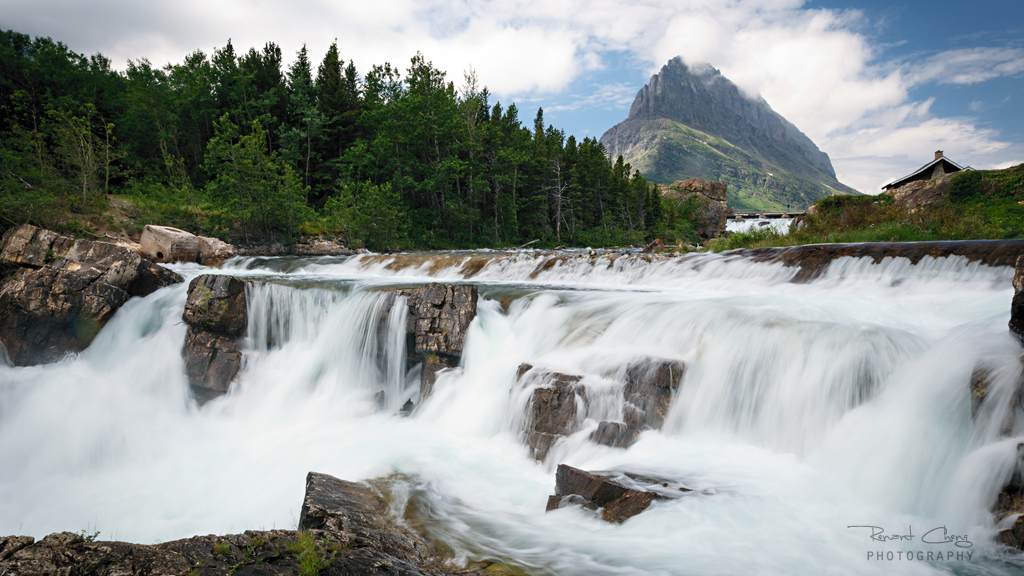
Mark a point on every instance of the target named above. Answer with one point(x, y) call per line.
point(805, 409)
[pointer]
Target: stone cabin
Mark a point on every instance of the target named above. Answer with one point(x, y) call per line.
point(938, 167)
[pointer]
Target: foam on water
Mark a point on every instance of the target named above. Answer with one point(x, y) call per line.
point(804, 409)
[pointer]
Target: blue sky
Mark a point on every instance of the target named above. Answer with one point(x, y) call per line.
point(877, 86)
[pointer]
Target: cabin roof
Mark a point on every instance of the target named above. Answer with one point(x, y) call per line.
point(899, 181)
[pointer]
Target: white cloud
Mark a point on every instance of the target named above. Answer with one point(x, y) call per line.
point(814, 66)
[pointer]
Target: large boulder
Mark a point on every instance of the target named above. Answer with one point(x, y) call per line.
point(62, 291)
point(618, 495)
point(213, 251)
point(439, 316)
point(166, 244)
point(217, 315)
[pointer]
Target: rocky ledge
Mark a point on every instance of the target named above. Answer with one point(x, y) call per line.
point(813, 259)
point(345, 529)
point(56, 293)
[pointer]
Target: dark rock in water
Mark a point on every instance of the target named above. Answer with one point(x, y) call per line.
point(217, 315)
point(217, 303)
point(650, 383)
point(1017, 305)
point(151, 277)
point(63, 291)
point(1011, 502)
point(619, 495)
point(813, 259)
point(553, 408)
point(439, 316)
point(614, 434)
point(211, 363)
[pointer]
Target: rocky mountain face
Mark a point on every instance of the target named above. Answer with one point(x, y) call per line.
point(692, 122)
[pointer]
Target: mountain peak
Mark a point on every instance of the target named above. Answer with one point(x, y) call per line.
point(700, 99)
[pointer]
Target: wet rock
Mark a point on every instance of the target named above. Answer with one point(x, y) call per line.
point(1010, 502)
point(1017, 304)
point(655, 246)
point(619, 495)
point(60, 292)
point(614, 434)
point(553, 408)
point(216, 313)
point(439, 316)
point(166, 244)
point(151, 278)
point(650, 384)
point(213, 251)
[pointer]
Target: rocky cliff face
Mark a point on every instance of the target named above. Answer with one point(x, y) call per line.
point(692, 122)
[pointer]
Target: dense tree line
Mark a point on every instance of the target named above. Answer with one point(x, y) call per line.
point(240, 146)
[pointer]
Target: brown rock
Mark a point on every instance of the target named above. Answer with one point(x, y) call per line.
point(1011, 502)
point(614, 434)
point(922, 192)
point(650, 384)
point(553, 408)
point(620, 495)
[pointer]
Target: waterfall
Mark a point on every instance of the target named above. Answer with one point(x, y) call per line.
point(804, 409)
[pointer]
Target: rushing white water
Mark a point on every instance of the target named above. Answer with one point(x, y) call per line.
point(781, 225)
point(805, 409)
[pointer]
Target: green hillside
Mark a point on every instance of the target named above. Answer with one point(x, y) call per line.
point(665, 151)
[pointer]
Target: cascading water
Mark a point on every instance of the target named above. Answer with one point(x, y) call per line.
point(804, 409)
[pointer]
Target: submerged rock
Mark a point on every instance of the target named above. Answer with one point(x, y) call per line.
point(216, 313)
point(60, 292)
point(439, 316)
point(618, 495)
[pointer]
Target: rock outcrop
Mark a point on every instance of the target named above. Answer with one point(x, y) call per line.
point(439, 316)
point(167, 244)
point(711, 220)
point(922, 192)
point(617, 495)
point(216, 313)
point(345, 530)
point(559, 404)
point(554, 409)
point(58, 293)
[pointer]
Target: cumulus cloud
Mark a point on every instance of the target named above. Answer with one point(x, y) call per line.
point(814, 66)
